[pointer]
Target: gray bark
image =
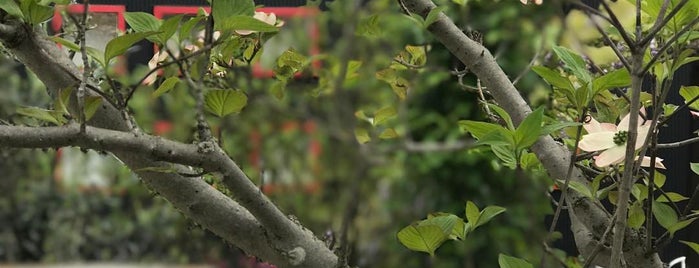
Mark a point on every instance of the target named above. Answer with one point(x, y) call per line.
point(589, 218)
point(251, 222)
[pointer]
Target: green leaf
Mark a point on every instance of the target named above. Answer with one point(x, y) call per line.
point(529, 130)
point(694, 167)
point(613, 79)
point(689, 93)
point(92, 103)
point(636, 216)
point(458, 231)
point(388, 133)
point(674, 197)
point(278, 89)
point(578, 187)
point(459, 2)
point(168, 28)
point(187, 26)
point(239, 22)
point(362, 135)
point(224, 9)
point(574, 63)
point(554, 78)
point(11, 8)
point(369, 26)
point(225, 102)
point(488, 213)
point(92, 52)
point(425, 238)
point(166, 86)
point(504, 115)
point(692, 245)
point(119, 45)
point(556, 126)
point(384, 114)
point(472, 213)
point(38, 113)
point(511, 262)
point(60, 104)
point(35, 12)
point(445, 221)
point(679, 226)
point(505, 154)
point(664, 214)
point(142, 22)
point(433, 15)
point(478, 129)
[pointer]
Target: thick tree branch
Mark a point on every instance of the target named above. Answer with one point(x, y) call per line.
point(589, 220)
point(268, 234)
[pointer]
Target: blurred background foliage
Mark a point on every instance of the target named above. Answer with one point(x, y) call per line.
point(303, 152)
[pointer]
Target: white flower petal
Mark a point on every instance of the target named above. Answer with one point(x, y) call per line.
point(645, 162)
point(597, 141)
point(642, 135)
point(611, 156)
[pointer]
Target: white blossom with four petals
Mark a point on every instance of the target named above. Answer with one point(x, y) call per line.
point(611, 140)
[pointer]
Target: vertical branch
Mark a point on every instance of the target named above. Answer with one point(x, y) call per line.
point(82, 32)
point(627, 179)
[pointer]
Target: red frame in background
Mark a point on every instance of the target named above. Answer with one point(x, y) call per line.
point(57, 21)
point(281, 12)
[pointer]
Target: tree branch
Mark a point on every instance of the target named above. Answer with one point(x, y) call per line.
point(590, 220)
point(271, 236)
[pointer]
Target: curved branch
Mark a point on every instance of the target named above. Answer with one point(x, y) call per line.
point(589, 220)
point(266, 232)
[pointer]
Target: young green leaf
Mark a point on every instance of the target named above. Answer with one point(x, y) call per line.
point(119, 45)
point(225, 102)
point(278, 89)
point(488, 214)
point(694, 167)
point(679, 226)
point(613, 79)
point(222, 9)
point(578, 187)
point(11, 8)
point(511, 262)
point(168, 28)
point(92, 103)
point(187, 26)
point(674, 197)
point(554, 78)
point(384, 114)
point(529, 130)
point(692, 245)
point(504, 115)
point(636, 216)
point(433, 15)
point(689, 93)
point(38, 113)
point(664, 214)
point(142, 22)
point(362, 135)
point(472, 213)
point(36, 13)
point(574, 63)
point(166, 86)
point(444, 221)
point(424, 238)
point(458, 232)
point(240, 22)
point(388, 133)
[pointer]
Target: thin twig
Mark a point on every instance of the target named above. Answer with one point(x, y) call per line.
point(615, 22)
point(660, 22)
point(610, 43)
point(669, 43)
point(678, 144)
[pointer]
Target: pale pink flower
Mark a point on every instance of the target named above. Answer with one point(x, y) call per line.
point(611, 139)
point(268, 18)
point(152, 63)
